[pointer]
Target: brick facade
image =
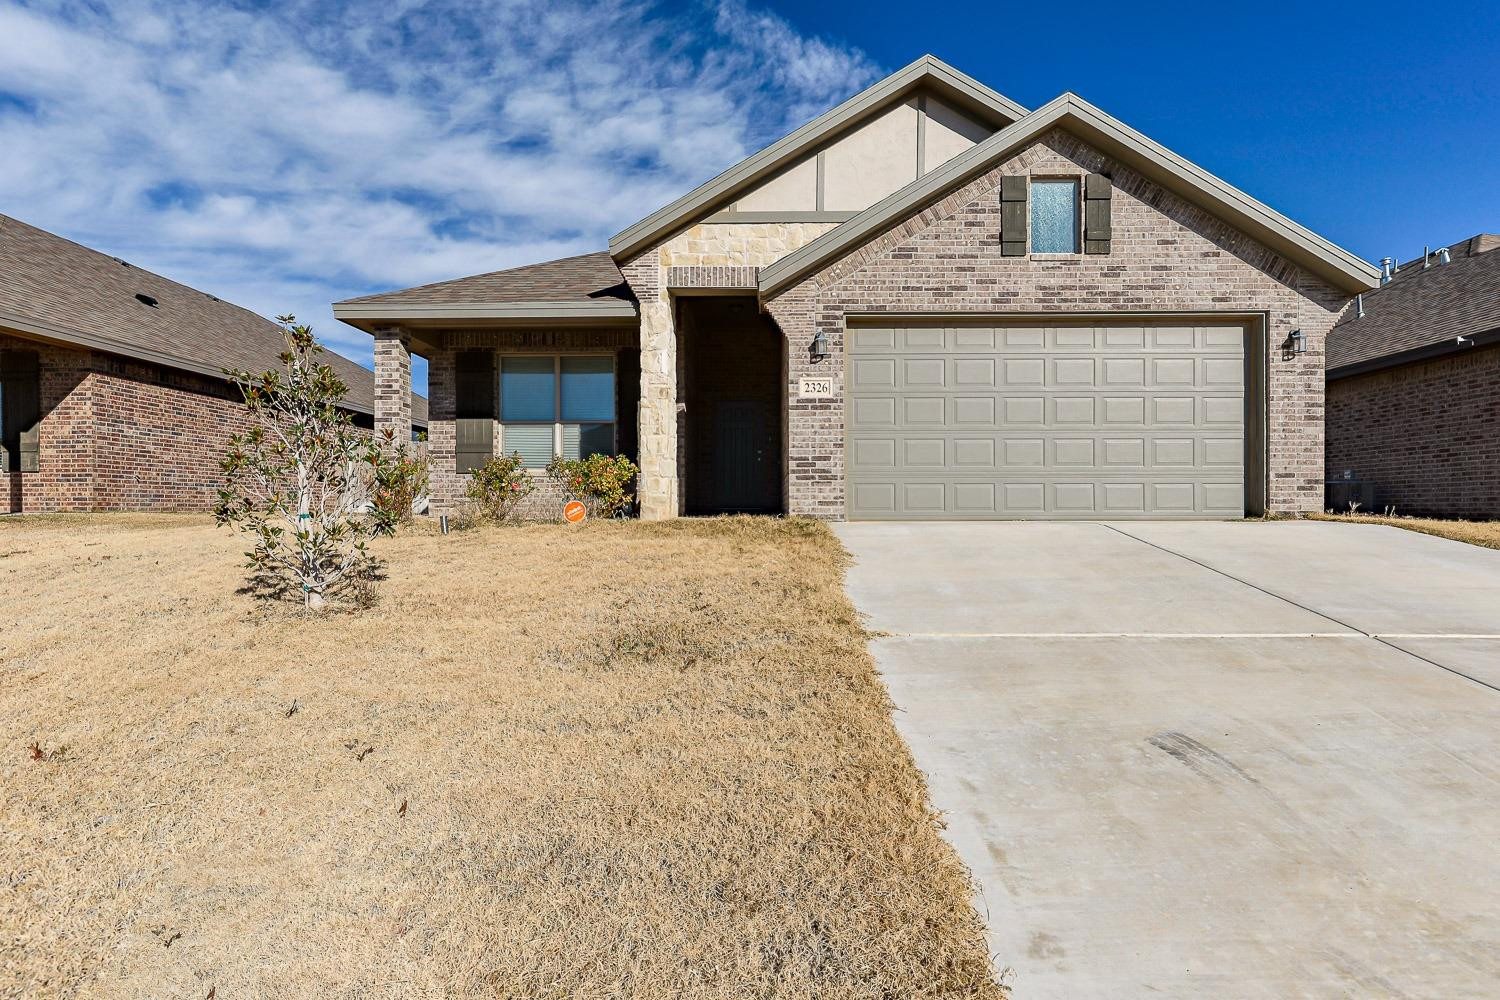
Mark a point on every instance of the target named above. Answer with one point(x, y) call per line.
point(1427, 434)
point(121, 435)
point(447, 486)
point(1167, 255)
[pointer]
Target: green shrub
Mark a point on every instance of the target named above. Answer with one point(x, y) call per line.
point(498, 487)
point(603, 482)
point(405, 482)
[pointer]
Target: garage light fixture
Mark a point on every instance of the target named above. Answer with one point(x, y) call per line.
point(1295, 344)
point(818, 350)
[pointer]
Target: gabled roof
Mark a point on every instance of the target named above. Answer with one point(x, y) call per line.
point(927, 71)
point(585, 288)
point(57, 290)
point(1423, 311)
point(1337, 266)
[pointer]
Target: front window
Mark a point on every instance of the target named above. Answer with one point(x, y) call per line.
point(557, 405)
point(1054, 216)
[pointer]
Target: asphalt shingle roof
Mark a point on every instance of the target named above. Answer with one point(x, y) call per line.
point(1424, 307)
point(586, 278)
point(69, 288)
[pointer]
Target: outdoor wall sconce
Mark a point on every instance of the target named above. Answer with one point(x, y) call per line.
point(818, 351)
point(1295, 344)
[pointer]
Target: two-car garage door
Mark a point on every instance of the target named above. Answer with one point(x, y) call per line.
point(1098, 419)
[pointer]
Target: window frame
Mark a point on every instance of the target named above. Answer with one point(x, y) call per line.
point(557, 422)
point(1077, 181)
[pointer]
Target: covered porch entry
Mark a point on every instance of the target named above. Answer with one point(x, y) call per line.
point(731, 435)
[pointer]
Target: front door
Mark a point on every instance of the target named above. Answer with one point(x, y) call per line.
point(744, 473)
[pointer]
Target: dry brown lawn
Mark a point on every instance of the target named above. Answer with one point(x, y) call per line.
point(1485, 533)
point(622, 760)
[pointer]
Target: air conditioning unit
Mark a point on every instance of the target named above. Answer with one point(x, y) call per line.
point(1338, 494)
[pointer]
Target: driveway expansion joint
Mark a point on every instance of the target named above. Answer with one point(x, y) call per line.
point(1382, 639)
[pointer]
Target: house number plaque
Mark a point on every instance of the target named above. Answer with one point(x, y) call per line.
point(815, 387)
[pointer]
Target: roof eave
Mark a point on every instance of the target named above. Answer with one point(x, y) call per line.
point(368, 315)
point(67, 337)
point(759, 165)
point(1340, 267)
point(1413, 355)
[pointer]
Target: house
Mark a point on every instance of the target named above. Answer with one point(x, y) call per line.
point(112, 393)
point(1414, 388)
point(929, 302)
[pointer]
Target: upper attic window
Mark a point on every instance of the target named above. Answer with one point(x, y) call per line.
point(1054, 216)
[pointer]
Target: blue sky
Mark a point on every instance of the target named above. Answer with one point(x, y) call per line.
point(285, 155)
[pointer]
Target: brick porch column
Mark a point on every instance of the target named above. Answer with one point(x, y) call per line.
point(393, 382)
point(658, 412)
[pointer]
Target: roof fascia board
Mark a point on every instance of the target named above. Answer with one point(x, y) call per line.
point(374, 312)
point(759, 165)
point(75, 338)
point(1412, 355)
point(1153, 160)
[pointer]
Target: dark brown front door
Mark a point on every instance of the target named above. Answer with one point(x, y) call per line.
point(744, 457)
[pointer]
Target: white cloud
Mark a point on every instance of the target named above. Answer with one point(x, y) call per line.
point(298, 153)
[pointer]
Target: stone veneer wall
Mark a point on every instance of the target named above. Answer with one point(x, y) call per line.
point(1167, 255)
point(708, 245)
point(117, 434)
point(1426, 434)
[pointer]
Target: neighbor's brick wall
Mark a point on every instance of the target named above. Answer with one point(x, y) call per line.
point(1166, 255)
point(446, 485)
point(1426, 434)
point(64, 479)
point(121, 435)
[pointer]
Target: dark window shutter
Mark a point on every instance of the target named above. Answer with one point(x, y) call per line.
point(1096, 201)
point(1013, 216)
point(20, 410)
point(474, 409)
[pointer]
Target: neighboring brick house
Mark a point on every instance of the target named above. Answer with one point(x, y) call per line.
point(1414, 388)
point(926, 303)
point(112, 395)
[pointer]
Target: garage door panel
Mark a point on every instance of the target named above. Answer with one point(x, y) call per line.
point(872, 454)
point(923, 373)
point(1083, 420)
point(873, 373)
point(873, 411)
point(923, 339)
point(973, 339)
point(969, 411)
point(1023, 371)
point(969, 372)
point(924, 411)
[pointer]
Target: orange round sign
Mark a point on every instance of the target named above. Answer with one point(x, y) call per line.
point(574, 511)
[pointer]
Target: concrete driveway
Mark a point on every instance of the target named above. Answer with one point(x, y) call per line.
point(1211, 759)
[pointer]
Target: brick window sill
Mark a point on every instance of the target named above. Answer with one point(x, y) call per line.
point(1056, 256)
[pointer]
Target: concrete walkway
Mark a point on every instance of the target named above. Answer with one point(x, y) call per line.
point(1209, 759)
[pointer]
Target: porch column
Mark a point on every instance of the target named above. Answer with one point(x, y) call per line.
point(393, 382)
point(658, 412)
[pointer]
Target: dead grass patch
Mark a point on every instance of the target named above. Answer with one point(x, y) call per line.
point(1485, 533)
point(621, 760)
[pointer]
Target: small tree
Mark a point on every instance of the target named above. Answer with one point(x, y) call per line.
point(302, 478)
